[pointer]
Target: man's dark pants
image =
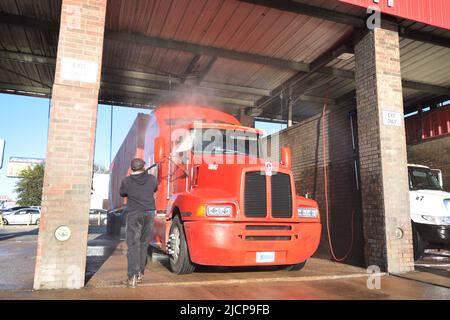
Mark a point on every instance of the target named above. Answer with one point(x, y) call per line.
point(139, 226)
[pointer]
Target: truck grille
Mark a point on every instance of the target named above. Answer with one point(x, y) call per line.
point(255, 196)
point(281, 196)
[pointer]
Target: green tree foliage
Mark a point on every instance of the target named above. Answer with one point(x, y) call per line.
point(29, 186)
point(98, 168)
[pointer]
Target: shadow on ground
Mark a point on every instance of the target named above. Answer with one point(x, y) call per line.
point(99, 249)
point(13, 235)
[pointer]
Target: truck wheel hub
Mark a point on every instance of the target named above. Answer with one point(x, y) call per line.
point(175, 239)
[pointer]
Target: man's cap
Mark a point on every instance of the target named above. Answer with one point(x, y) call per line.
point(137, 164)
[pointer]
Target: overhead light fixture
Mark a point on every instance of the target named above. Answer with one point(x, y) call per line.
point(345, 56)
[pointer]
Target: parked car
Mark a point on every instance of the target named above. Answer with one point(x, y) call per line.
point(98, 217)
point(22, 216)
point(11, 210)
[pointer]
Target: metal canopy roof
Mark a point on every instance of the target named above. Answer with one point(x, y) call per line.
point(233, 54)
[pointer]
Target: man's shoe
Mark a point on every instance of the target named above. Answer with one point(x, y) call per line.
point(131, 282)
point(140, 277)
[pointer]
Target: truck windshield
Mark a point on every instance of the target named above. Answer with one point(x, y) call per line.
point(216, 141)
point(422, 179)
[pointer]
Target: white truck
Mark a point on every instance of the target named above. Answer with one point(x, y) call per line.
point(430, 209)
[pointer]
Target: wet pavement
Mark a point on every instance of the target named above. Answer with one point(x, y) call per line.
point(18, 254)
point(106, 265)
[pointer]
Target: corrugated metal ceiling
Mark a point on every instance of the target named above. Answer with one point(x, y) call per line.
point(227, 24)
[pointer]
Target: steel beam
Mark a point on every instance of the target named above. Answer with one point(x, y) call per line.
point(418, 86)
point(207, 69)
point(311, 11)
point(205, 50)
point(413, 85)
point(33, 23)
point(204, 85)
point(31, 90)
point(190, 68)
point(163, 92)
point(424, 37)
point(314, 99)
point(26, 58)
point(139, 75)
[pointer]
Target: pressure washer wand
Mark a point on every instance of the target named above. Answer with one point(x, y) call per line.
point(152, 166)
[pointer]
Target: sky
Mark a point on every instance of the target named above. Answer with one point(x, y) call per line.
point(24, 125)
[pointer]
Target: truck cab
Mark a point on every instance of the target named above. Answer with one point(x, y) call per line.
point(430, 209)
point(219, 202)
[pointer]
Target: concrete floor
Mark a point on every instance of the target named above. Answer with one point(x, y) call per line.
point(106, 264)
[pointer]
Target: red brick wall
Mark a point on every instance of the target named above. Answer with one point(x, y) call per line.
point(305, 140)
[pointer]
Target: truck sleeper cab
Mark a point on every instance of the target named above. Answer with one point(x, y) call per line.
point(219, 203)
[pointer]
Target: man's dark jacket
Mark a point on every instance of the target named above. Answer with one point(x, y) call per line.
point(140, 190)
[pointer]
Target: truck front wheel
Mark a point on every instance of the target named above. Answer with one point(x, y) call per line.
point(418, 243)
point(180, 263)
point(296, 267)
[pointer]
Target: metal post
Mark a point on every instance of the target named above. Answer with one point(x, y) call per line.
point(290, 105)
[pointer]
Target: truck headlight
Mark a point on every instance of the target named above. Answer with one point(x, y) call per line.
point(437, 220)
point(447, 204)
point(307, 212)
point(219, 211)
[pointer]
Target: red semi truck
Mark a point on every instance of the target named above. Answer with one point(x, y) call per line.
point(219, 203)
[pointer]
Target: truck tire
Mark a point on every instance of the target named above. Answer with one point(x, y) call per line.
point(180, 263)
point(419, 244)
point(296, 267)
point(38, 221)
point(5, 222)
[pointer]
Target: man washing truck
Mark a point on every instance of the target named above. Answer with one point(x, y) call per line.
point(139, 188)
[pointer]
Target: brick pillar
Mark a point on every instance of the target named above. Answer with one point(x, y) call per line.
point(61, 263)
point(382, 151)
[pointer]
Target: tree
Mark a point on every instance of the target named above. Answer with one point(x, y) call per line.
point(98, 168)
point(29, 186)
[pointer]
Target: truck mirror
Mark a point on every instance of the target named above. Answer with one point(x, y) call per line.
point(286, 157)
point(159, 152)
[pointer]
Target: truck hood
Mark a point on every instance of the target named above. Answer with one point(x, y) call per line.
point(227, 177)
point(433, 193)
point(428, 202)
